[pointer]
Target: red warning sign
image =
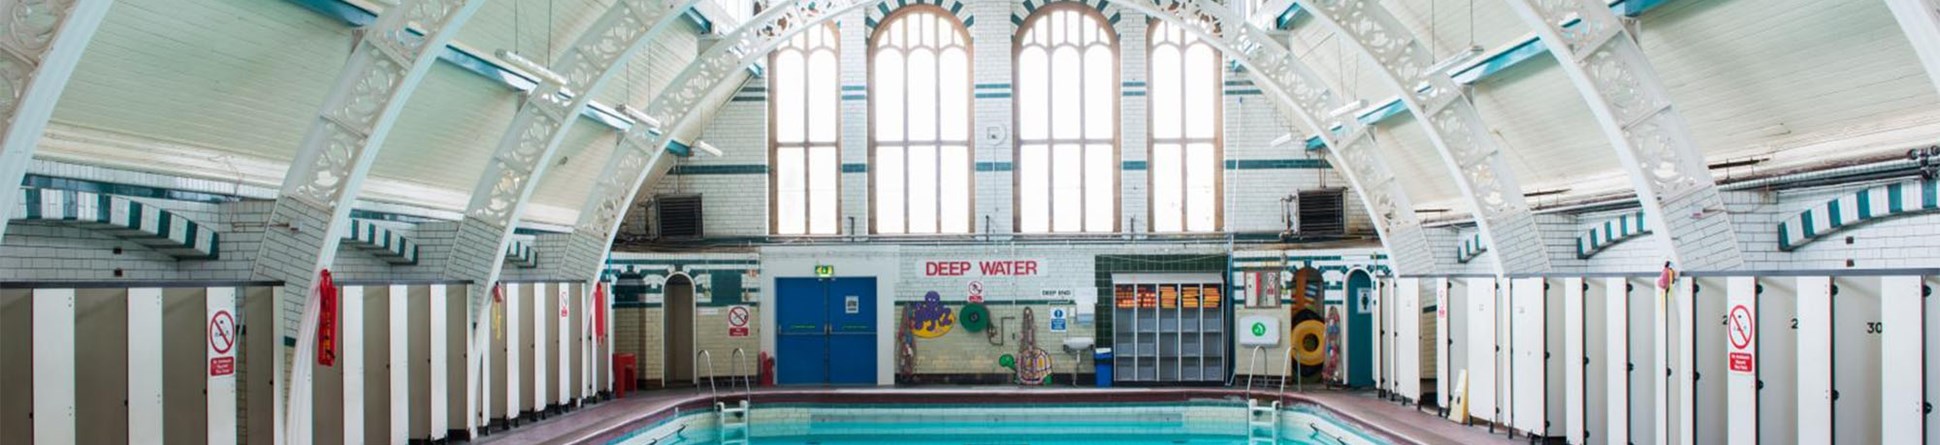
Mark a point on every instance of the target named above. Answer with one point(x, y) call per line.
point(737, 318)
point(1741, 329)
point(222, 339)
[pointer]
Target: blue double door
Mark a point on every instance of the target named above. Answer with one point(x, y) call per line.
point(827, 331)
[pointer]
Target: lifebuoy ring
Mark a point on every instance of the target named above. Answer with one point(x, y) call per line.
point(1310, 342)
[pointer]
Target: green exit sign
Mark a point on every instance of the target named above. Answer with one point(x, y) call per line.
point(824, 271)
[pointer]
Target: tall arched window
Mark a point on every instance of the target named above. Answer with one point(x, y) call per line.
point(1186, 157)
point(803, 130)
point(919, 95)
point(1067, 121)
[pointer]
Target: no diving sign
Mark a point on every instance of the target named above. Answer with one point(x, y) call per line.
point(1741, 329)
point(222, 340)
point(737, 318)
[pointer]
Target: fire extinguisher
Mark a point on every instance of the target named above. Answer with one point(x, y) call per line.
point(767, 365)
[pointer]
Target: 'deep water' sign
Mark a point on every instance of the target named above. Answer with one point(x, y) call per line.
point(992, 268)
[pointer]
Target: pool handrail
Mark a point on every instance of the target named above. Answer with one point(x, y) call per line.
point(1286, 369)
point(734, 367)
point(1252, 365)
point(713, 393)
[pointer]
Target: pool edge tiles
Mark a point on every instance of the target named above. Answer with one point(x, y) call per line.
point(1376, 425)
point(1198, 421)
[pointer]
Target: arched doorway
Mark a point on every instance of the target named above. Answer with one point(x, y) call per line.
point(1360, 328)
point(677, 313)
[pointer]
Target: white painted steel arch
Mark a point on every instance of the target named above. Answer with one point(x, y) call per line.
point(1293, 86)
point(1454, 127)
point(313, 208)
point(526, 149)
point(39, 46)
point(1652, 139)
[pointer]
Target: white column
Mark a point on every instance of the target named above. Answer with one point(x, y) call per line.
point(400, 363)
point(145, 366)
point(1481, 348)
point(563, 343)
point(1741, 359)
point(222, 389)
point(1815, 360)
point(542, 302)
point(1443, 374)
point(1616, 361)
point(514, 348)
point(54, 366)
point(1902, 389)
point(440, 381)
point(351, 344)
point(1573, 359)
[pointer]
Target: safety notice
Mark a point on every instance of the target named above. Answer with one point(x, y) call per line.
point(222, 340)
point(1741, 330)
point(737, 318)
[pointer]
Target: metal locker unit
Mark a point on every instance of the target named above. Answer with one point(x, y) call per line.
point(1777, 363)
point(1931, 359)
point(1646, 366)
point(1739, 354)
point(1605, 410)
point(1708, 322)
point(1574, 359)
point(1815, 311)
point(1452, 357)
point(384, 372)
point(1856, 345)
point(1902, 342)
point(1528, 346)
point(1482, 348)
point(1505, 398)
point(1405, 297)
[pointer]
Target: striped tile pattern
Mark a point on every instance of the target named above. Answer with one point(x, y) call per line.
point(520, 253)
point(1026, 7)
point(381, 242)
point(1866, 205)
point(1470, 248)
point(157, 228)
point(874, 15)
point(1611, 232)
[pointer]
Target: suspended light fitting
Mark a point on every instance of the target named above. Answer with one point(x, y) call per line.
point(530, 68)
point(1461, 59)
point(706, 147)
point(1281, 141)
point(641, 117)
point(1350, 110)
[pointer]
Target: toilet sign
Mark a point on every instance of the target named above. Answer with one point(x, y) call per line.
point(222, 340)
point(1060, 321)
point(1741, 329)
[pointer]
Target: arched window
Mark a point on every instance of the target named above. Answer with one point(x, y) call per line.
point(1067, 121)
point(919, 96)
point(803, 130)
point(1186, 158)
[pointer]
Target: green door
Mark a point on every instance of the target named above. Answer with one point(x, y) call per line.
point(1360, 329)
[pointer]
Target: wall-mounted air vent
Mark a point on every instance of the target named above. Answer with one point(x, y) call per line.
point(1322, 212)
point(677, 217)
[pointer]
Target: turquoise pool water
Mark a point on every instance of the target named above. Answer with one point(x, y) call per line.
point(1191, 423)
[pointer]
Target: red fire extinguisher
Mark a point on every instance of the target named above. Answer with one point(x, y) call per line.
point(767, 368)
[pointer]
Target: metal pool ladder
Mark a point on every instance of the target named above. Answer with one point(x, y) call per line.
point(1262, 422)
point(735, 417)
point(734, 422)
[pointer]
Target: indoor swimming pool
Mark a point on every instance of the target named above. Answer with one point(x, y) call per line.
point(1193, 422)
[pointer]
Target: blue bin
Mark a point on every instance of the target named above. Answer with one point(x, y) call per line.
point(1102, 359)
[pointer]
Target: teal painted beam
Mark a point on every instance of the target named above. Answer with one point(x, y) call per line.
point(1529, 48)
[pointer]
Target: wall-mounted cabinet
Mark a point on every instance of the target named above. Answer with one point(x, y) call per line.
point(1169, 328)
